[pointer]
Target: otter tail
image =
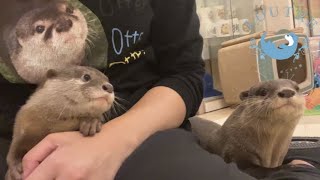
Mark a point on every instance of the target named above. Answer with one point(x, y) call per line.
point(204, 130)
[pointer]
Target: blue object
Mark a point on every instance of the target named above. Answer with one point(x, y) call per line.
point(209, 90)
point(316, 80)
point(283, 51)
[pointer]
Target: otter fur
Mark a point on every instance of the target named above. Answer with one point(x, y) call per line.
point(259, 131)
point(70, 99)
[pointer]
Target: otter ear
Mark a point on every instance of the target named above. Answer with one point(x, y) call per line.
point(51, 73)
point(244, 95)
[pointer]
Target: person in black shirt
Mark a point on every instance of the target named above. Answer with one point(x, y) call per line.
point(154, 62)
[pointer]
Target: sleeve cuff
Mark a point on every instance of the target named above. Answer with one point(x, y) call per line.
point(191, 99)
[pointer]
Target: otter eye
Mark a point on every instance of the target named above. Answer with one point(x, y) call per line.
point(263, 92)
point(40, 29)
point(297, 88)
point(70, 10)
point(86, 77)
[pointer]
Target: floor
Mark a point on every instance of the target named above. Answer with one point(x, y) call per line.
point(309, 126)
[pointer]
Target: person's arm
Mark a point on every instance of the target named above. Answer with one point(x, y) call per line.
point(159, 109)
point(178, 46)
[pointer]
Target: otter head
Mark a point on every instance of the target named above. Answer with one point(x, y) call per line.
point(83, 88)
point(50, 36)
point(279, 99)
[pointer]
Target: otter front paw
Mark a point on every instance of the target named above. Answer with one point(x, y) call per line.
point(14, 172)
point(89, 127)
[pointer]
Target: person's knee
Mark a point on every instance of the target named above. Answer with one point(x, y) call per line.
point(171, 136)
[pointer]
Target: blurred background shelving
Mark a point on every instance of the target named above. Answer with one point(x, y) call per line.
point(223, 20)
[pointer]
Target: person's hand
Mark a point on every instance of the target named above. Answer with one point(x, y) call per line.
point(300, 162)
point(70, 156)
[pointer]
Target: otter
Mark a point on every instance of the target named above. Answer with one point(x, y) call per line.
point(259, 131)
point(70, 99)
point(50, 35)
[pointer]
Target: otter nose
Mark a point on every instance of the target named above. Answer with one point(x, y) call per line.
point(108, 87)
point(286, 93)
point(63, 25)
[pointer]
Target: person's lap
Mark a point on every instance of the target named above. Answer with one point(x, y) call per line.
point(173, 154)
point(176, 154)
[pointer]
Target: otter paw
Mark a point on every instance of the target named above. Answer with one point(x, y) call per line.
point(15, 172)
point(90, 127)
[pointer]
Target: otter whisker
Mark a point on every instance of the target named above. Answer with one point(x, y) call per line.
point(92, 20)
point(292, 76)
point(90, 43)
point(260, 124)
point(256, 122)
point(121, 99)
point(253, 108)
point(107, 115)
point(92, 36)
point(91, 40)
point(65, 106)
point(116, 103)
point(117, 108)
point(88, 50)
point(249, 116)
point(93, 33)
point(89, 47)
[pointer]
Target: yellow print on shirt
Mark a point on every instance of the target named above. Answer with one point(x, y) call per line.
point(132, 57)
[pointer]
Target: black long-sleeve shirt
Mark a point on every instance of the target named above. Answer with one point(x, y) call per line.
point(150, 43)
point(170, 43)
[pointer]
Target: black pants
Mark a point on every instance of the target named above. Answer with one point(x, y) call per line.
point(176, 155)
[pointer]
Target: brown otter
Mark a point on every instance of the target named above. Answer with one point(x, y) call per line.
point(73, 98)
point(259, 131)
point(49, 36)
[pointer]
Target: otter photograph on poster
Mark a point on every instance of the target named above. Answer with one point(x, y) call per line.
point(38, 35)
